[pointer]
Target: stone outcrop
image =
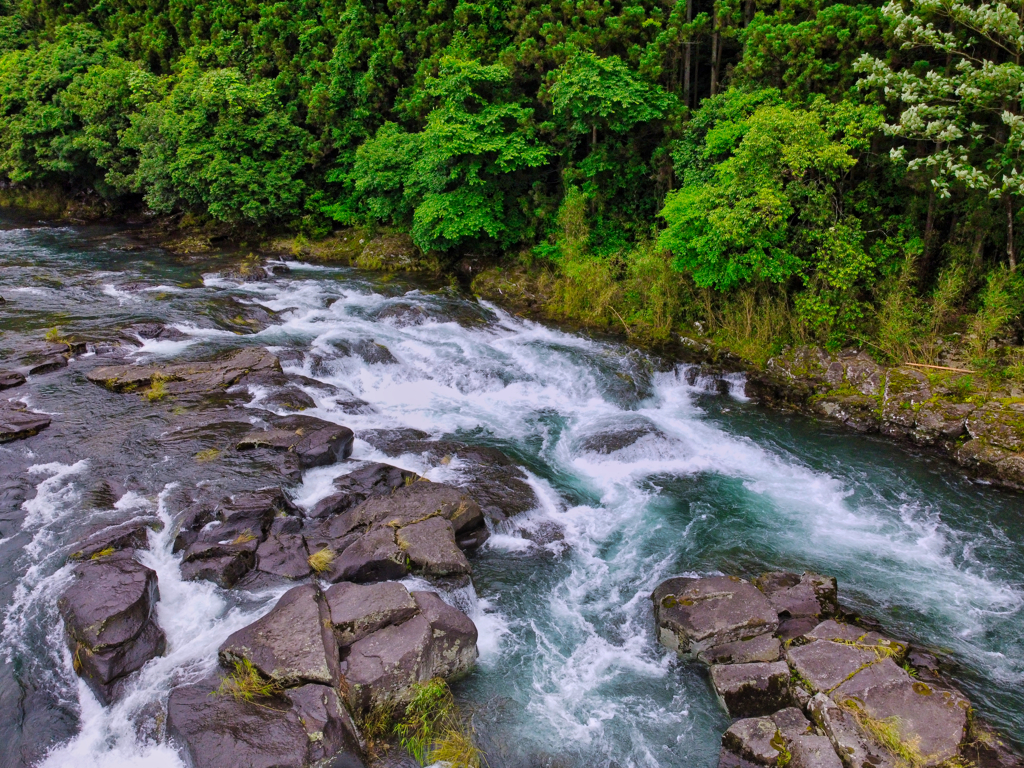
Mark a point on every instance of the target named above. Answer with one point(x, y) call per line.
point(201, 377)
point(984, 435)
point(17, 423)
point(11, 379)
point(108, 617)
point(315, 442)
point(297, 729)
point(364, 482)
point(840, 697)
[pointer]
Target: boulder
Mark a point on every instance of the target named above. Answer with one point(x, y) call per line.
point(17, 423)
point(108, 616)
point(359, 610)
point(217, 730)
point(824, 664)
point(286, 399)
point(316, 442)
point(374, 479)
point(133, 534)
point(764, 740)
point(695, 615)
point(286, 645)
point(748, 690)
point(10, 379)
point(440, 641)
point(417, 502)
point(793, 596)
point(431, 548)
point(930, 721)
point(374, 556)
point(284, 555)
point(152, 330)
point(47, 364)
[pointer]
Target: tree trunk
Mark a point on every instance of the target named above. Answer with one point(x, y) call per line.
point(716, 43)
point(686, 57)
point(593, 137)
point(1011, 247)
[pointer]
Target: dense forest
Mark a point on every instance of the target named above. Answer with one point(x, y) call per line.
point(757, 172)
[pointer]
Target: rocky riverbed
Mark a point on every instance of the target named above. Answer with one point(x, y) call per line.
point(336, 489)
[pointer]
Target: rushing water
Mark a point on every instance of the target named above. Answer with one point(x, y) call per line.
point(570, 672)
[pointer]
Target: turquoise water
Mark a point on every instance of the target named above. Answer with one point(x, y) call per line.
point(570, 673)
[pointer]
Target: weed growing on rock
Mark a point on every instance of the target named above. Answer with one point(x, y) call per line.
point(245, 683)
point(887, 733)
point(157, 390)
point(431, 728)
point(244, 537)
point(207, 455)
point(321, 561)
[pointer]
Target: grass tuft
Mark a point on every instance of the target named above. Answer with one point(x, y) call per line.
point(245, 683)
point(157, 390)
point(433, 730)
point(244, 537)
point(321, 561)
point(887, 733)
point(102, 553)
point(207, 455)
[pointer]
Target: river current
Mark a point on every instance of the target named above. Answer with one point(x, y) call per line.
point(570, 673)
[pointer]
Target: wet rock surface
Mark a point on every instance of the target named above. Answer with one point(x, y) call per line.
point(109, 621)
point(839, 698)
point(985, 436)
point(314, 441)
point(18, 423)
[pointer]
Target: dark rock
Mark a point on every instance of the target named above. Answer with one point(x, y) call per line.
point(813, 752)
point(859, 637)
point(133, 534)
point(287, 399)
point(224, 570)
point(372, 557)
point(392, 441)
point(905, 390)
point(219, 731)
point(108, 615)
point(105, 670)
point(488, 475)
point(933, 720)
point(790, 629)
point(940, 423)
point(316, 442)
point(753, 739)
point(859, 412)
point(328, 724)
point(850, 742)
point(795, 596)
point(694, 615)
point(364, 482)
point(284, 555)
point(48, 365)
point(286, 644)
point(205, 377)
point(824, 664)
point(439, 642)
point(1001, 428)
point(431, 548)
point(152, 330)
point(359, 610)
point(10, 379)
point(748, 690)
point(16, 423)
point(370, 352)
point(614, 440)
point(743, 651)
point(110, 601)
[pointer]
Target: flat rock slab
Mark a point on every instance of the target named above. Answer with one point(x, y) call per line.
point(795, 596)
point(359, 610)
point(133, 534)
point(694, 615)
point(748, 690)
point(218, 731)
point(367, 481)
point(931, 720)
point(825, 664)
point(316, 442)
point(813, 752)
point(202, 377)
point(416, 502)
point(287, 644)
point(16, 423)
point(857, 636)
point(10, 379)
point(757, 648)
point(284, 555)
point(847, 737)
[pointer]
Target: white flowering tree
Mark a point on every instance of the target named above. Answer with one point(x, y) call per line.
point(964, 98)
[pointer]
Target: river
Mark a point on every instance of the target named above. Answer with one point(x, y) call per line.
point(570, 674)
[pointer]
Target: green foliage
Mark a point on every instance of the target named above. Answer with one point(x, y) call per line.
point(430, 727)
